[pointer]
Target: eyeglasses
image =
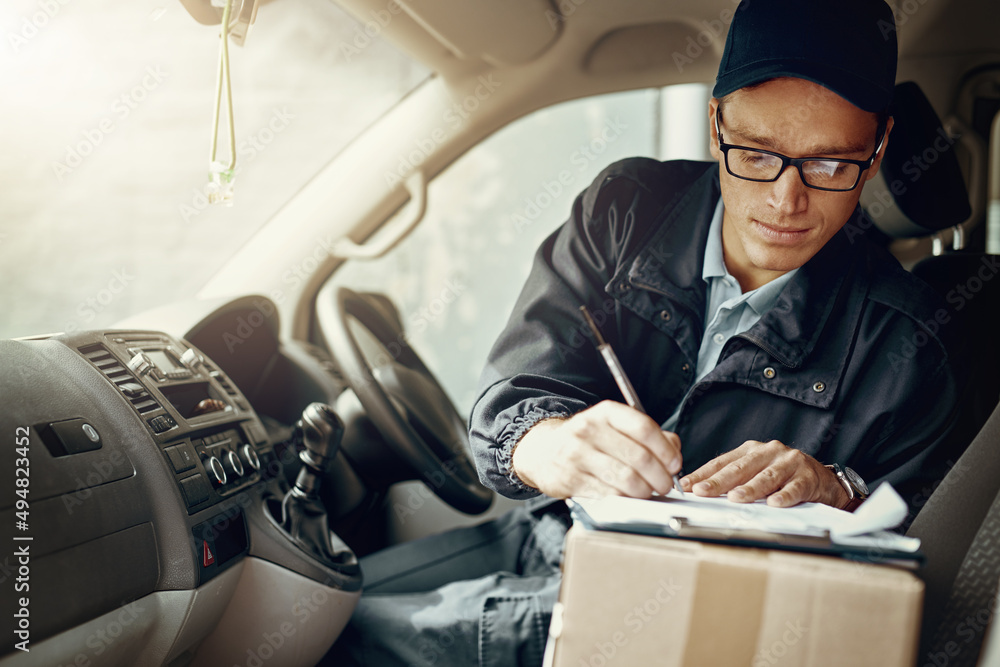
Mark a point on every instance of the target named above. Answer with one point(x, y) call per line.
point(830, 174)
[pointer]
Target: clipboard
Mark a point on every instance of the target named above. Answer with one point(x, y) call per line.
point(817, 541)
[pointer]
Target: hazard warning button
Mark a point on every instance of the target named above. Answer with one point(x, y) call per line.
point(207, 557)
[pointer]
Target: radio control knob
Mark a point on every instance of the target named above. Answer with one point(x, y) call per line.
point(233, 463)
point(140, 364)
point(249, 455)
point(192, 359)
point(216, 473)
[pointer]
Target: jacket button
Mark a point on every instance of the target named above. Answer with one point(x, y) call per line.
point(819, 387)
point(623, 286)
point(665, 315)
point(769, 372)
point(686, 368)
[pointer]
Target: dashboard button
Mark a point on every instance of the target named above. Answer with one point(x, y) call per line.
point(162, 423)
point(132, 389)
point(215, 471)
point(233, 463)
point(195, 489)
point(71, 436)
point(181, 457)
point(207, 557)
point(249, 455)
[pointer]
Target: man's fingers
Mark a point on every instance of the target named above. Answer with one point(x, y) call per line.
point(794, 492)
point(664, 446)
point(764, 483)
point(723, 473)
point(609, 470)
point(636, 441)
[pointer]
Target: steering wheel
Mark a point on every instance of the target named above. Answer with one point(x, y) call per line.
point(402, 398)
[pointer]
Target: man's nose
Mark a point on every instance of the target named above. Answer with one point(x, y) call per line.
point(789, 194)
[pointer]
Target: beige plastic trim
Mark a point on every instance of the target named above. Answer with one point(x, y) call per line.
point(152, 630)
point(276, 618)
point(395, 231)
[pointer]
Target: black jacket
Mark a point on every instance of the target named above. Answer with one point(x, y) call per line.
point(855, 364)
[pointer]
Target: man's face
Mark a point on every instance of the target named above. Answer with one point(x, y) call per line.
point(772, 228)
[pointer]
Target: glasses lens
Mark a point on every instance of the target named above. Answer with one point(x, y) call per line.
point(830, 174)
point(753, 165)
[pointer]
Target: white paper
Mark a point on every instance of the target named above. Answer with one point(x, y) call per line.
point(866, 527)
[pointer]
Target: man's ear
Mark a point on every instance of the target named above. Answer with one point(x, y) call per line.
point(713, 136)
point(881, 151)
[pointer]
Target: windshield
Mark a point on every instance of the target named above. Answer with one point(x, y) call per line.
point(107, 118)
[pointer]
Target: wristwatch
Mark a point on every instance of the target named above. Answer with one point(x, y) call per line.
point(856, 488)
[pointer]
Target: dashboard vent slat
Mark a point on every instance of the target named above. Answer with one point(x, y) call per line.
point(119, 375)
point(224, 381)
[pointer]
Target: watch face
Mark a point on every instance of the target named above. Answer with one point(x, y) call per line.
point(855, 480)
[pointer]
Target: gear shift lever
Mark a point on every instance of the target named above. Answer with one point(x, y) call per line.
point(322, 431)
point(303, 515)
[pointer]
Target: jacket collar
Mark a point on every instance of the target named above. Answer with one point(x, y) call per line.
point(671, 264)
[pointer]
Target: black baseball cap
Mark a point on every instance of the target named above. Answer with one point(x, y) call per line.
point(848, 46)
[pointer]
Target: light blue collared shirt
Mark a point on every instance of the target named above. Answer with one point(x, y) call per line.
point(729, 311)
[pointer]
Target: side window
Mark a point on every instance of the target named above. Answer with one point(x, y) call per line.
point(456, 277)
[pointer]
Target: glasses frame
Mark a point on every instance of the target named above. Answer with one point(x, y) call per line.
point(796, 162)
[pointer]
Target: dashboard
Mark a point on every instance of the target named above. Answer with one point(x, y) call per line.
point(143, 503)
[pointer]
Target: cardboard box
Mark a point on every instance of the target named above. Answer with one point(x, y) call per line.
point(638, 600)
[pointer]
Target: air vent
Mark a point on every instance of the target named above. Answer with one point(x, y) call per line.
point(221, 378)
point(121, 377)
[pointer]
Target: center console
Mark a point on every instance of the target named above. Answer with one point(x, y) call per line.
point(203, 426)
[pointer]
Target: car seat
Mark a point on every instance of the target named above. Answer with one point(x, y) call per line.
point(959, 525)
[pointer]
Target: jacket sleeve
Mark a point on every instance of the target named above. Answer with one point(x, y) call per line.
point(544, 363)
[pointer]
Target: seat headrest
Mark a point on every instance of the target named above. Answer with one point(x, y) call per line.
point(919, 189)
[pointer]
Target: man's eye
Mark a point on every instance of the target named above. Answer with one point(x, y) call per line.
point(827, 168)
point(757, 159)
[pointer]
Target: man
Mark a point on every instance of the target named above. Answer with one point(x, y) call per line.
point(762, 338)
point(765, 341)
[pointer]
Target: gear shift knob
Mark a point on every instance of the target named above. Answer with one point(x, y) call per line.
point(303, 516)
point(322, 431)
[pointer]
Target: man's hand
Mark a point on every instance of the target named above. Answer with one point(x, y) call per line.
point(608, 449)
point(756, 470)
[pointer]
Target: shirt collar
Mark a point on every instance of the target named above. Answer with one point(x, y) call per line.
point(715, 265)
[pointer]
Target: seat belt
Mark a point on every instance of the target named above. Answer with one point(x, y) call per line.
point(971, 603)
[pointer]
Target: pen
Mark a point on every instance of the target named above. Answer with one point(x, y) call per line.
point(615, 366)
